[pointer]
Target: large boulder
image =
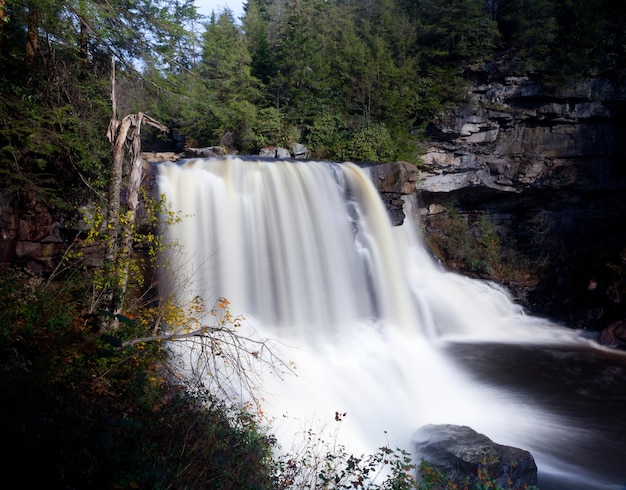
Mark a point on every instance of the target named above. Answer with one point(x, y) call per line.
point(275, 152)
point(467, 457)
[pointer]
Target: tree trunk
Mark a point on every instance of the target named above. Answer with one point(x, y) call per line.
point(3, 14)
point(84, 58)
point(84, 37)
point(32, 35)
point(134, 184)
point(120, 231)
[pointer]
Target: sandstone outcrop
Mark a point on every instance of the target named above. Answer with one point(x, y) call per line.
point(547, 169)
point(394, 180)
point(512, 135)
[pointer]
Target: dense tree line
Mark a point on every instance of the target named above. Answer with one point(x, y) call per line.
point(354, 79)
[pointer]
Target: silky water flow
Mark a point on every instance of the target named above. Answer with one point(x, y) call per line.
point(370, 326)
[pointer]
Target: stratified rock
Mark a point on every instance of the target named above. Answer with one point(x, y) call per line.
point(463, 454)
point(394, 180)
point(512, 134)
point(544, 168)
point(395, 177)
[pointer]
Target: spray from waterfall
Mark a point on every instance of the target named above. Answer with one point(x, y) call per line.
point(306, 251)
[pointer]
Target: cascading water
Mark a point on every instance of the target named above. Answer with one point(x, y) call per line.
point(306, 251)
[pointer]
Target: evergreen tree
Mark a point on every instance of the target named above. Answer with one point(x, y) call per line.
point(54, 77)
point(226, 62)
point(456, 31)
point(255, 26)
point(304, 74)
point(530, 28)
point(226, 70)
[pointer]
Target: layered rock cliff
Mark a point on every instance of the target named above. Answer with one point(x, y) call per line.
point(547, 170)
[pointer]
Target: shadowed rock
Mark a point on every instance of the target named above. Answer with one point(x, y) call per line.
point(466, 456)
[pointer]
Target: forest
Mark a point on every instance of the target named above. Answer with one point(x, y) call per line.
point(352, 79)
point(358, 80)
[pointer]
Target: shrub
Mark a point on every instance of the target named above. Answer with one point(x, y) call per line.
point(89, 413)
point(470, 247)
point(370, 142)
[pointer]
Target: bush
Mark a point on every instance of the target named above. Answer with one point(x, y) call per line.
point(471, 247)
point(370, 142)
point(88, 413)
point(332, 139)
point(325, 136)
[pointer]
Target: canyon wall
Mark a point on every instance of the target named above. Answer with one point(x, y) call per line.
point(547, 170)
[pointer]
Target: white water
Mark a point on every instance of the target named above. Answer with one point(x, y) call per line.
point(307, 253)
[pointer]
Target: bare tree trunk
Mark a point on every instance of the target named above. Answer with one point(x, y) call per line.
point(84, 38)
point(132, 203)
point(32, 35)
point(119, 239)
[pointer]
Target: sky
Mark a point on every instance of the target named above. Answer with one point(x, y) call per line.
point(206, 6)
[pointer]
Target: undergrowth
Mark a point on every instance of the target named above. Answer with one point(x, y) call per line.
point(474, 246)
point(86, 410)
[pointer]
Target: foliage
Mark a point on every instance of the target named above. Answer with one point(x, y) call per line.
point(46, 149)
point(325, 464)
point(330, 138)
point(473, 247)
point(270, 128)
point(325, 135)
point(390, 63)
point(431, 478)
point(91, 413)
point(146, 238)
point(369, 142)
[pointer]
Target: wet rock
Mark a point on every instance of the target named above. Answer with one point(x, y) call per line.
point(394, 180)
point(614, 336)
point(463, 454)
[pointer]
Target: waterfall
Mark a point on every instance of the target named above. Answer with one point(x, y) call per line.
point(306, 251)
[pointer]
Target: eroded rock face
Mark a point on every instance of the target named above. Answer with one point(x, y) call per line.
point(394, 180)
point(511, 135)
point(548, 171)
point(463, 454)
point(33, 236)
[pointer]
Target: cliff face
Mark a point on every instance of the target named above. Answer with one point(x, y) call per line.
point(548, 172)
point(512, 136)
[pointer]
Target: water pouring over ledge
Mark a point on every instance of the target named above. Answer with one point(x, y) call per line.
point(377, 330)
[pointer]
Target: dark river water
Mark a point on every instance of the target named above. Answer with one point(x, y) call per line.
point(307, 253)
point(583, 386)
